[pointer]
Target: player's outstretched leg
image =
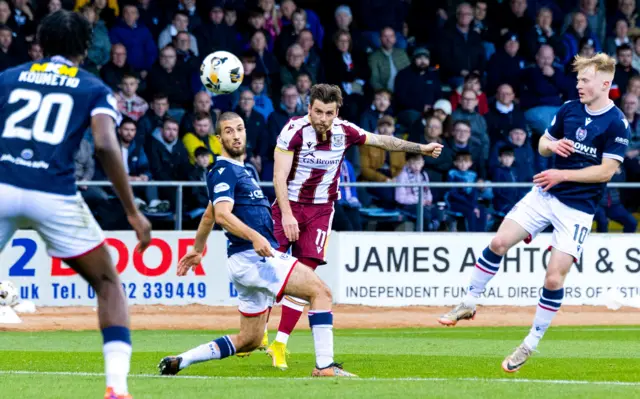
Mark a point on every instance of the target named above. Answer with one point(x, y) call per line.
point(97, 269)
point(487, 265)
point(292, 309)
point(548, 305)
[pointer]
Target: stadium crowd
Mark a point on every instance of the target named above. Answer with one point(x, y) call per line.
point(484, 78)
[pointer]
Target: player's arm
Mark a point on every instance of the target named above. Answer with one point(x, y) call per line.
point(549, 146)
point(593, 174)
point(108, 152)
point(391, 143)
point(236, 227)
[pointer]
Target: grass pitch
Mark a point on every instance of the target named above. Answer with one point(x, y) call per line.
point(573, 362)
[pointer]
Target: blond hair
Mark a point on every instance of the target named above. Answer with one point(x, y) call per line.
point(601, 62)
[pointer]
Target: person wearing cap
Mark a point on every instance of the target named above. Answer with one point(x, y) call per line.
point(379, 165)
point(442, 110)
point(576, 31)
point(542, 33)
point(416, 88)
point(506, 65)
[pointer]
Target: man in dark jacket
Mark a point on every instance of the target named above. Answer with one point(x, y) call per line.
point(624, 72)
point(542, 33)
point(416, 88)
point(198, 199)
point(504, 114)
point(114, 70)
point(524, 164)
point(165, 77)
point(141, 49)
point(255, 125)
point(168, 158)
point(610, 207)
point(152, 119)
point(201, 103)
point(461, 50)
point(461, 141)
point(215, 35)
point(506, 65)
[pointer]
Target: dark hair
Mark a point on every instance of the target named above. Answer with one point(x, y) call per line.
point(507, 149)
point(339, 33)
point(258, 75)
point(462, 122)
point(129, 75)
point(463, 154)
point(64, 33)
point(255, 12)
point(302, 73)
point(126, 119)
point(383, 91)
point(159, 96)
point(326, 93)
point(248, 56)
point(6, 27)
point(180, 12)
point(472, 75)
point(226, 116)
point(200, 151)
point(623, 47)
point(168, 119)
point(412, 156)
point(200, 116)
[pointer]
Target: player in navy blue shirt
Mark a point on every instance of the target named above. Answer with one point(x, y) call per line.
point(589, 138)
point(45, 108)
point(259, 272)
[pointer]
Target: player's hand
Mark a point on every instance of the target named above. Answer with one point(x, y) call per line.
point(432, 150)
point(142, 227)
point(290, 225)
point(262, 246)
point(563, 147)
point(548, 179)
point(189, 260)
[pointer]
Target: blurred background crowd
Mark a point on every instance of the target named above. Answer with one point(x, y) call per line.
point(484, 78)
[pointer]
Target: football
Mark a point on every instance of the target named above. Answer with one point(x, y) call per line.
point(8, 293)
point(221, 72)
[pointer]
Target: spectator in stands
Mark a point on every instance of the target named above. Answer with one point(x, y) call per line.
point(517, 18)
point(542, 33)
point(113, 72)
point(378, 14)
point(462, 140)
point(294, 66)
point(347, 208)
point(524, 156)
point(595, 14)
point(417, 88)
point(634, 86)
point(151, 16)
point(289, 7)
point(230, 15)
point(624, 72)
point(6, 17)
point(506, 65)
point(186, 59)
point(467, 112)
point(629, 106)
point(262, 102)
point(290, 34)
point(303, 86)
point(106, 12)
point(248, 60)
point(627, 11)
point(408, 197)
point(265, 61)
point(464, 200)
point(437, 169)
point(461, 49)
point(201, 103)
point(98, 54)
point(198, 198)
point(85, 170)
point(544, 89)
point(442, 110)
point(214, 34)
point(256, 22)
point(271, 24)
point(471, 82)
point(381, 106)
point(387, 61)
point(378, 165)
point(142, 51)
point(343, 19)
point(202, 136)
point(165, 77)
point(24, 18)
point(504, 114)
point(189, 6)
point(482, 25)
point(576, 31)
point(311, 57)
point(180, 23)
point(129, 103)
point(504, 198)
point(35, 52)
point(348, 71)
point(621, 36)
point(610, 207)
point(152, 119)
point(256, 127)
point(168, 159)
point(8, 54)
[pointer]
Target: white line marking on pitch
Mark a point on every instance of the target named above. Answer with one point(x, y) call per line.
point(417, 379)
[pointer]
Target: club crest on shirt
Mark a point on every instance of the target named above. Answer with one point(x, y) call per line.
point(337, 140)
point(581, 134)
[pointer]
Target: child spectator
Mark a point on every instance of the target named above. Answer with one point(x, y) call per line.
point(464, 200)
point(505, 198)
point(380, 107)
point(408, 196)
point(524, 157)
point(129, 103)
point(198, 200)
point(263, 104)
point(610, 207)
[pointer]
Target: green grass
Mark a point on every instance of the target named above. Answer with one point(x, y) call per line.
point(573, 362)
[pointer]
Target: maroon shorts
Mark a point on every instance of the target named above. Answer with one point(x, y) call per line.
point(314, 222)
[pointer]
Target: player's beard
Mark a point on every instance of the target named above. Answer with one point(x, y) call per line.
point(234, 152)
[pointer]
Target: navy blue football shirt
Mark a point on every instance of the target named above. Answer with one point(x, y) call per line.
point(596, 135)
point(230, 181)
point(45, 108)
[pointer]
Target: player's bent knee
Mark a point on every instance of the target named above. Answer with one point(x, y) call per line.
point(554, 281)
point(249, 341)
point(499, 245)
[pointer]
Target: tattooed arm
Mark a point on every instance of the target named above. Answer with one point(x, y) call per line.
point(391, 143)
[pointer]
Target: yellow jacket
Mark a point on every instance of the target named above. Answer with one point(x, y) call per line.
point(372, 159)
point(191, 141)
point(113, 4)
